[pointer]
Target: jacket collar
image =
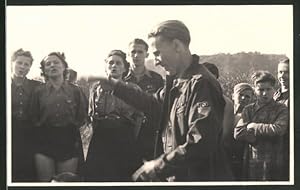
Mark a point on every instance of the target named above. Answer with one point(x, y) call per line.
point(131, 74)
point(49, 87)
point(192, 69)
point(24, 85)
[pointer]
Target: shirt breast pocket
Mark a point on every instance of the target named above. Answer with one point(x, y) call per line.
point(71, 106)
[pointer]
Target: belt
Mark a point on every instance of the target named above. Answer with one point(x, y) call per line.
point(100, 121)
point(105, 117)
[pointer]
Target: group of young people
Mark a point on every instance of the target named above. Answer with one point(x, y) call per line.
point(147, 127)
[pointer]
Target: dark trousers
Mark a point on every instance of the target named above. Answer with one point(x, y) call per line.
point(23, 168)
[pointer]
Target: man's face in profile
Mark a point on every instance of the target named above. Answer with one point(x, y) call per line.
point(165, 54)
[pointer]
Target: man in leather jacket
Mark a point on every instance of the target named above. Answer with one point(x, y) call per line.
point(190, 108)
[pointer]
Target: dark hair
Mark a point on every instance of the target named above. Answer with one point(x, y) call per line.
point(212, 68)
point(72, 75)
point(139, 41)
point(263, 76)
point(60, 56)
point(21, 52)
point(285, 61)
point(121, 54)
point(172, 29)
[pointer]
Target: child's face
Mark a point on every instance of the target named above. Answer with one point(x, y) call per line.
point(243, 98)
point(264, 92)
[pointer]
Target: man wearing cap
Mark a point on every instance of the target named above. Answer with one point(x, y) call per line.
point(243, 95)
point(190, 108)
point(150, 82)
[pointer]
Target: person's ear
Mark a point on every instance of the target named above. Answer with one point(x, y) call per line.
point(178, 45)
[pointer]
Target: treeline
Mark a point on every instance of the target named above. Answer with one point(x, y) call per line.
point(236, 68)
point(233, 68)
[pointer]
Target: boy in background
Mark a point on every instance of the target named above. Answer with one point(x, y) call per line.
point(262, 125)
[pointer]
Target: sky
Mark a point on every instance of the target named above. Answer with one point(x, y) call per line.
point(87, 33)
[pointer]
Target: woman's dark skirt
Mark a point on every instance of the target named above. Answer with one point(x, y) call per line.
point(112, 155)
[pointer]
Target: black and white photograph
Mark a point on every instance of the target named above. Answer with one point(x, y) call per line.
point(149, 95)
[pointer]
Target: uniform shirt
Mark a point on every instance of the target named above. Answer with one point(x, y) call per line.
point(265, 150)
point(282, 97)
point(193, 106)
point(21, 95)
point(104, 104)
point(149, 82)
point(58, 107)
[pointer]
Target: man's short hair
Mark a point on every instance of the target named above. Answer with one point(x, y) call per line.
point(263, 76)
point(172, 29)
point(21, 52)
point(139, 41)
point(285, 61)
point(212, 68)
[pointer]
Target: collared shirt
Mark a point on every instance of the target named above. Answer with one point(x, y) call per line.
point(149, 82)
point(21, 95)
point(266, 139)
point(282, 97)
point(58, 107)
point(104, 104)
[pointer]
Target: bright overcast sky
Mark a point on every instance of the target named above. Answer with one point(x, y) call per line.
point(87, 33)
